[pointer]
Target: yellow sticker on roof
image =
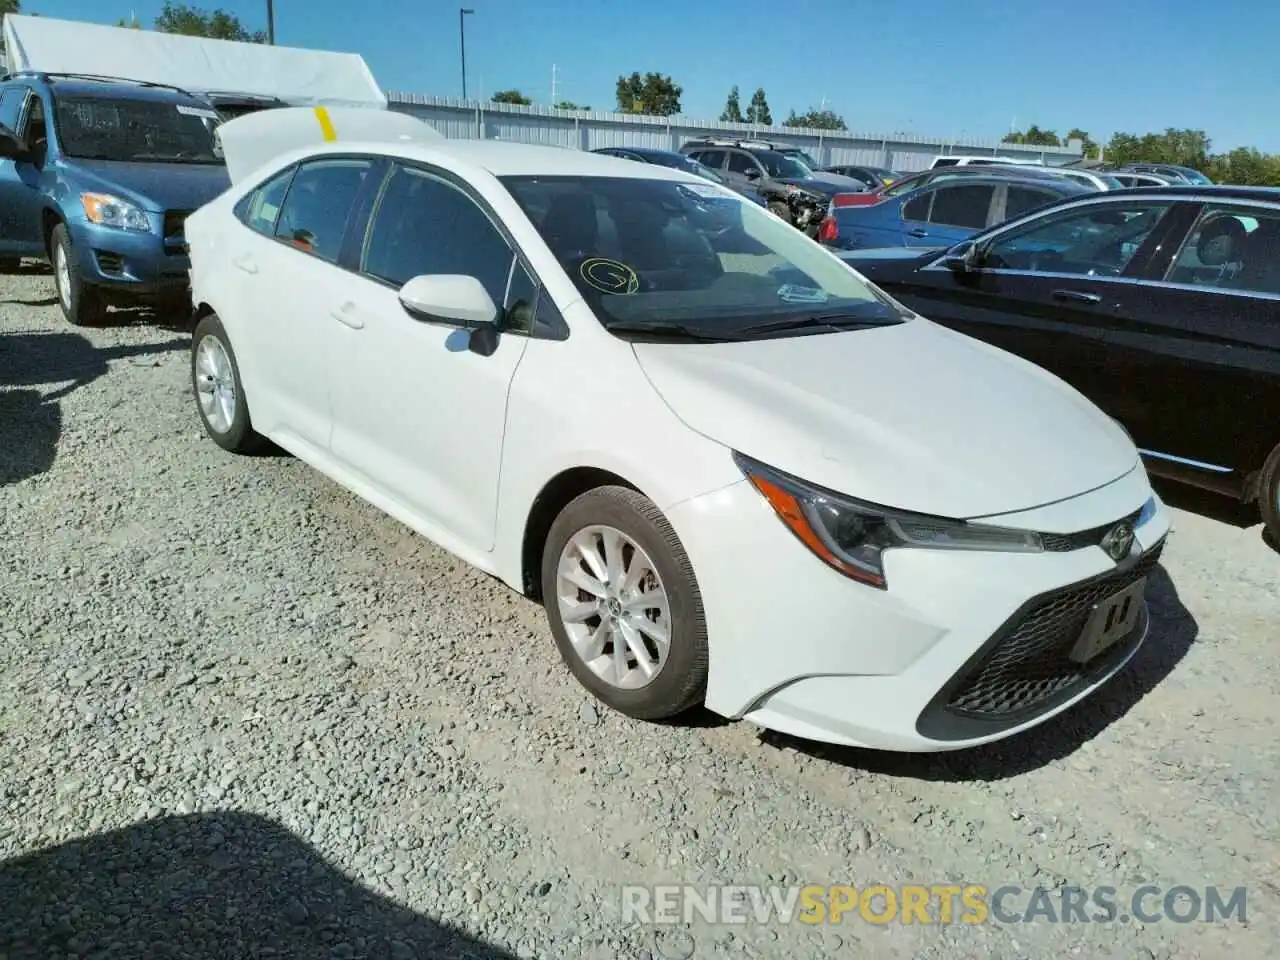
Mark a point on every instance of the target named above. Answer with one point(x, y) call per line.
point(326, 124)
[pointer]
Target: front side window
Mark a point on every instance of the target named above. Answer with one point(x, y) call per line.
point(962, 205)
point(1022, 200)
point(1097, 240)
point(11, 101)
point(1231, 248)
point(426, 225)
point(316, 207)
point(741, 164)
point(680, 257)
point(711, 158)
point(134, 130)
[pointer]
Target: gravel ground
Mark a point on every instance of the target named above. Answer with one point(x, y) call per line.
point(242, 714)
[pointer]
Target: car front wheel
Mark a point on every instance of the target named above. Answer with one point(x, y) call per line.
point(219, 392)
point(82, 303)
point(624, 605)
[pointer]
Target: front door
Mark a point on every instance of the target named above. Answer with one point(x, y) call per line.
point(417, 413)
point(23, 183)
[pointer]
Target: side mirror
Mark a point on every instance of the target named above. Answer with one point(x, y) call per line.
point(961, 258)
point(454, 300)
point(11, 145)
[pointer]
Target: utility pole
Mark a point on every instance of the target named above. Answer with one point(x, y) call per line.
point(553, 85)
point(271, 23)
point(462, 38)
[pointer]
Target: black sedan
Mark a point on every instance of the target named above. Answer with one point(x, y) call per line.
point(669, 158)
point(1160, 304)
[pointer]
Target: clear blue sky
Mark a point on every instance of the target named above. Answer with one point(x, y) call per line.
point(937, 67)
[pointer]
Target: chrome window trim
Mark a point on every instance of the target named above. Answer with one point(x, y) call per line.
point(1197, 464)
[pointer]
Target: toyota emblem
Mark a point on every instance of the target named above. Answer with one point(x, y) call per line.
point(1118, 541)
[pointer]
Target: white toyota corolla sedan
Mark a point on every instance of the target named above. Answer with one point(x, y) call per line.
point(733, 471)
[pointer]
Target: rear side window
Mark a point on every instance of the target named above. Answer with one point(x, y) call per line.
point(1232, 248)
point(314, 215)
point(962, 205)
point(711, 158)
point(741, 163)
point(260, 209)
point(945, 162)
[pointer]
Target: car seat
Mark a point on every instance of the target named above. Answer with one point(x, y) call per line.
point(570, 227)
point(1261, 270)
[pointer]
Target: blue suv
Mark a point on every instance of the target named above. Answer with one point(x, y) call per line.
point(98, 174)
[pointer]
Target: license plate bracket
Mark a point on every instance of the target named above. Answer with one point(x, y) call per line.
point(1111, 620)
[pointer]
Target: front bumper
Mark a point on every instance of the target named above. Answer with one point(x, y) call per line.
point(801, 649)
point(130, 263)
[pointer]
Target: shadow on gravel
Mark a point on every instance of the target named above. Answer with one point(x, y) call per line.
point(31, 422)
point(30, 268)
point(29, 431)
point(1213, 506)
point(1173, 631)
point(38, 302)
point(209, 886)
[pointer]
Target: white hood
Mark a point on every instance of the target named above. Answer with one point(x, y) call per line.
point(913, 416)
point(195, 64)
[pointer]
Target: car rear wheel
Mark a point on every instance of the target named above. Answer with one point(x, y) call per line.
point(215, 380)
point(624, 605)
point(82, 303)
point(1269, 495)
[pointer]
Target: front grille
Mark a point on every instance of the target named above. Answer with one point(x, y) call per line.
point(174, 220)
point(1066, 542)
point(1026, 667)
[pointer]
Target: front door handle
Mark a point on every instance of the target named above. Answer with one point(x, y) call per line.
point(918, 232)
point(348, 315)
point(1076, 296)
point(246, 263)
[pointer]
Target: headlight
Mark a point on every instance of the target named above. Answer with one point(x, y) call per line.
point(852, 536)
point(113, 212)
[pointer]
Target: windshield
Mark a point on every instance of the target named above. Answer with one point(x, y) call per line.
point(672, 255)
point(804, 158)
point(780, 165)
point(100, 128)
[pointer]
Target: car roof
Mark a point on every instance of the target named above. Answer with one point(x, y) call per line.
point(506, 159)
point(113, 89)
point(1208, 191)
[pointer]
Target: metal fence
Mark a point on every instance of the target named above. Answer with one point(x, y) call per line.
point(590, 129)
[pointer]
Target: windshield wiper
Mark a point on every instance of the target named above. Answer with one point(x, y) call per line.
point(832, 321)
point(669, 331)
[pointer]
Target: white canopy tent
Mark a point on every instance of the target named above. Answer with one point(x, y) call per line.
point(196, 64)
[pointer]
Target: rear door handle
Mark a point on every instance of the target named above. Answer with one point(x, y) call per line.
point(1076, 296)
point(348, 316)
point(917, 232)
point(246, 263)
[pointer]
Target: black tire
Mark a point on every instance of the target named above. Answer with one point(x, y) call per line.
point(239, 437)
point(681, 681)
point(1269, 495)
point(10, 264)
point(782, 210)
point(82, 303)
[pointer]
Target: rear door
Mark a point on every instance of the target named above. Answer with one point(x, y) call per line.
point(1211, 335)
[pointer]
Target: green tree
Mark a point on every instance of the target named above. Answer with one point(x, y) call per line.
point(511, 96)
point(570, 105)
point(1090, 147)
point(732, 107)
point(758, 109)
point(654, 94)
point(1034, 136)
point(10, 6)
point(195, 22)
point(817, 119)
point(1186, 147)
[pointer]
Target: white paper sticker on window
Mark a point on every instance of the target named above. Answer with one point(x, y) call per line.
point(709, 191)
point(186, 111)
